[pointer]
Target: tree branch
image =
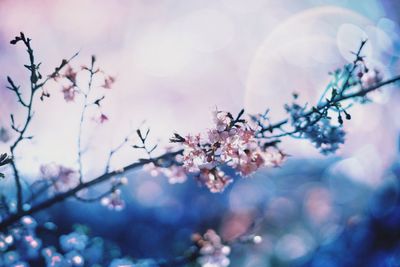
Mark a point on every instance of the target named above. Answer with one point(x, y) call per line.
point(70, 193)
point(324, 105)
point(35, 77)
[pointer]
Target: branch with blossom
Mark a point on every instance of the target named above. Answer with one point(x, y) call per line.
point(242, 143)
point(37, 83)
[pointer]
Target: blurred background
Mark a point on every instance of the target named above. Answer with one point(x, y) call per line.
point(176, 61)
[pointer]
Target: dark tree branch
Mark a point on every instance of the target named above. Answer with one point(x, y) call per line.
point(325, 105)
point(167, 157)
point(35, 77)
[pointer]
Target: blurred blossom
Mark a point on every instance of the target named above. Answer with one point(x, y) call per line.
point(11, 257)
point(63, 178)
point(3, 242)
point(73, 241)
point(33, 245)
point(75, 259)
point(213, 252)
point(236, 225)
point(113, 201)
point(257, 239)
point(318, 205)
point(149, 193)
point(294, 246)
point(175, 174)
point(29, 222)
point(371, 78)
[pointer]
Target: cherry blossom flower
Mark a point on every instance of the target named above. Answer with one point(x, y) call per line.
point(103, 118)
point(175, 173)
point(5, 242)
point(108, 82)
point(274, 157)
point(12, 259)
point(28, 222)
point(70, 74)
point(73, 241)
point(152, 169)
point(32, 241)
point(69, 93)
point(53, 258)
point(370, 78)
point(215, 180)
point(75, 259)
point(231, 142)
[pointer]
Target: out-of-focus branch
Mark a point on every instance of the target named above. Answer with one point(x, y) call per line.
point(162, 160)
point(326, 105)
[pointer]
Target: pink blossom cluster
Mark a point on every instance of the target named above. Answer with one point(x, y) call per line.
point(231, 142)
point(63, 178)
point(72, 87)
point(113, 200)
point(213, 253)
point(70, 90)
point(370, 78)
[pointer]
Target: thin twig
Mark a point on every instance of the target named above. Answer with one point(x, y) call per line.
point(82, 118)
point(360, 93)
point(35, 77)
point(114, 151)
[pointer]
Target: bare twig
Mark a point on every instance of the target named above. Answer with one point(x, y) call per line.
point(86, 104)
point(114, 151)
point(35, 78)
